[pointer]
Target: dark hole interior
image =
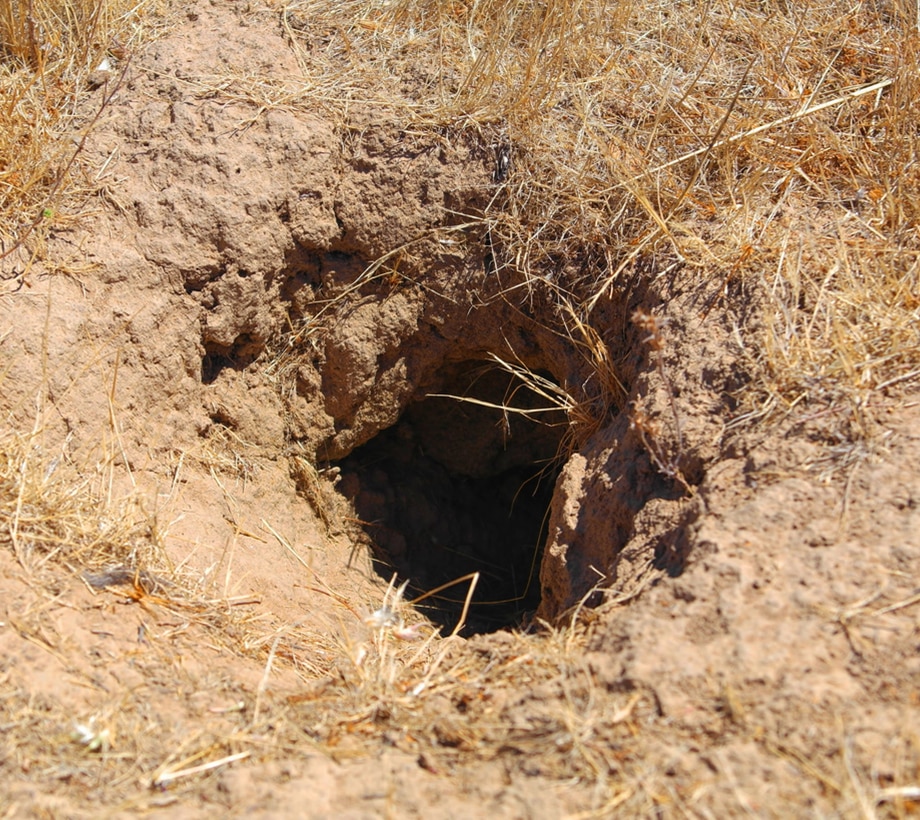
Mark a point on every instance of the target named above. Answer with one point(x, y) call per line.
point(456, 487)
point(244, 351)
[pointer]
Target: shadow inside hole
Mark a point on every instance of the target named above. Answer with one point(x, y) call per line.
point(217, 358)
point(456, 487)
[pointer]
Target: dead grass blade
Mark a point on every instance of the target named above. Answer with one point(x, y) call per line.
point(872, 88)
point(169, 775)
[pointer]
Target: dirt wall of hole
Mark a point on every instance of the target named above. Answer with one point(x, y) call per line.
point(378, 363)
point(611, 513)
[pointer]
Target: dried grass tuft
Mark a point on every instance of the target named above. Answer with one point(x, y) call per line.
point(446, 700)
point(54, 510)
point(53, 55)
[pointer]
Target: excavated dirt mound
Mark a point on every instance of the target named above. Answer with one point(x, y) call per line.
point(219, 326)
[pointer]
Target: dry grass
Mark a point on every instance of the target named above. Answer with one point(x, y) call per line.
point(49, 51)
point(52, 510)
point(773, 148)
point(520, 697)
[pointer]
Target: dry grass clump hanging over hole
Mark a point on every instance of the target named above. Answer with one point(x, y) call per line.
point(52, 53)
point(773, 148)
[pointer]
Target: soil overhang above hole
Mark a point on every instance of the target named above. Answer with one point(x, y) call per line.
point(462, 484)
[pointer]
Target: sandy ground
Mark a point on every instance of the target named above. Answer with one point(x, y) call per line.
point(753, 649)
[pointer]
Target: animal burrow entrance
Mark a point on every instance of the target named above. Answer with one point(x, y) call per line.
point(462, 483)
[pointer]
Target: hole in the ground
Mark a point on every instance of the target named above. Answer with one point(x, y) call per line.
point(459, 486)
point(243, 352)
point(212, 363)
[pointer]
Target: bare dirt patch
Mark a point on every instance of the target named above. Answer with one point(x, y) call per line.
point(285, 359)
